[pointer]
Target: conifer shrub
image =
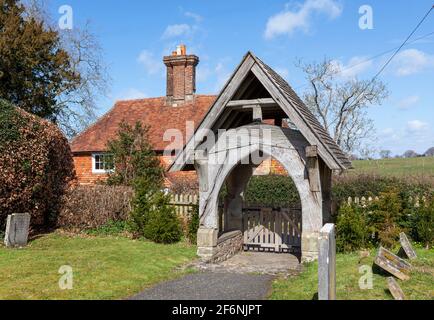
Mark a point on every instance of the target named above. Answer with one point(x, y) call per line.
point(152, 216)
point(423, 224)
point(384, 216)
point(352, 232)
point(162, 223)
point(193, 225)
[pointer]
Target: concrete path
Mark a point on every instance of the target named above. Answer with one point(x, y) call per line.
point(246, 276)
point(256, 262)
point(211, 286)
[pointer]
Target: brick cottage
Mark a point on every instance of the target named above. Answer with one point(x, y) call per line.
point(180, 105)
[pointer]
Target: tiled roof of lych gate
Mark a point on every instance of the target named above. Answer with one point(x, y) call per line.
point(152, 112)
point(306, 114)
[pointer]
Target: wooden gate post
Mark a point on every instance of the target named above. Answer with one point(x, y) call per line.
point(327, 263)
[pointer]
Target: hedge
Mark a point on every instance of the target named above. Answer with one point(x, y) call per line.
point(36, 166)
point(271, 190)
point(90, 207)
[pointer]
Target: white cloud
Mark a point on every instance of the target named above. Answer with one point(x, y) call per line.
point(408, 102)
point(132, 94)
point(412, 61)
point(355, 66)
point(151, 64)
point(287, 21)
point(177, 30)
point(194, 16)
point(416, 126)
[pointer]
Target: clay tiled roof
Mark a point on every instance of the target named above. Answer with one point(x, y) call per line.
point(152, 112)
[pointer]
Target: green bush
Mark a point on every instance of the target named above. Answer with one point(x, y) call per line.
point(143, 203)
point(133, 156)
point(423, 222)
point(384, 217)
point(153, 217)
point(369, 185)
point(193, 225)
point(271, 190)
point(111, 228)
point(352, 232)
point(383, 220)
point(162, 225)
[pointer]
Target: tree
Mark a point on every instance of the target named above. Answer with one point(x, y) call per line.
point(429, 152)
point(136, 165)
point(54, 74)
point(385, 154)
point(341, 104)
point(410, 154)
point(133, 156)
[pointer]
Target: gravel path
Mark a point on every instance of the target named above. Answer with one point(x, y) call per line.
point(211, 286)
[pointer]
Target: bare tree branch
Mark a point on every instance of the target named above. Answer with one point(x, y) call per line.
point(340, 104)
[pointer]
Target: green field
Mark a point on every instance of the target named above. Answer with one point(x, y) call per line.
point(395, 167)
point(103, 267)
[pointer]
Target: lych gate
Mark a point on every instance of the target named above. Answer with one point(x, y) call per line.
point(256, 116)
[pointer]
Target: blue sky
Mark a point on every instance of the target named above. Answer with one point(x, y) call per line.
point(136, 34)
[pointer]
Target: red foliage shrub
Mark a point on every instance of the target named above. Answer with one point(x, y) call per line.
point(36, 166)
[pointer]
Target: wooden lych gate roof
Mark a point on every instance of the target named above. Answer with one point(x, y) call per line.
point(254, 82)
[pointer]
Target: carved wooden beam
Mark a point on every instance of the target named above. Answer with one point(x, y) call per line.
point(313, 168)
point(242, 104)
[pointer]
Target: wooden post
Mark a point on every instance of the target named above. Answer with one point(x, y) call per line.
point(313, 168)
point(327, 263)
point(257, 113)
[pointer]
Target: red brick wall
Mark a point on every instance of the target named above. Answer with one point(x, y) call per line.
point(270, 166)
point(83, 169)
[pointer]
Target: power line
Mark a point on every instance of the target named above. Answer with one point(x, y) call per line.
point(383, 53)
point(393, 56)
point(403, 44)
point(397, 50)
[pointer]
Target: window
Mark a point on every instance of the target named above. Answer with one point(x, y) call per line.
point(102, 163)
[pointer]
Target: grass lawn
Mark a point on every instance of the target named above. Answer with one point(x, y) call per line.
point(396, 167)
point(103, 267)
point(305, 286)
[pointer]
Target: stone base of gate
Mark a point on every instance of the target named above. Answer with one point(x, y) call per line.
point(309, 246)
point(214, 249)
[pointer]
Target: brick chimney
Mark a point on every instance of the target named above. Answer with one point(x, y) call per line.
point(181, 76)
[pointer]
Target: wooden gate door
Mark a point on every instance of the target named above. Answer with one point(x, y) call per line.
point(272, 230)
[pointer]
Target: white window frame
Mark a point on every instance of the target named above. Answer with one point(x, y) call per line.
point(99, 171)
